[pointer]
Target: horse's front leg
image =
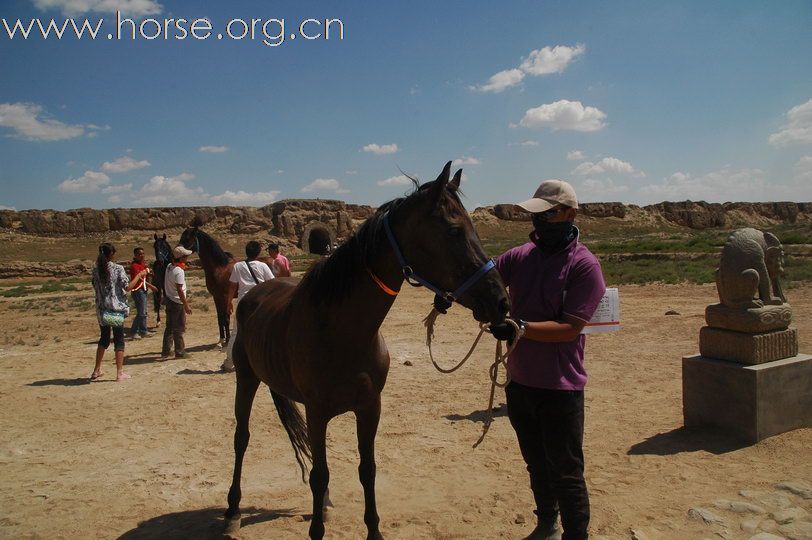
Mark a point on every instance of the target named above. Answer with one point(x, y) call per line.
point(367, 426)
point(222, 323)
point(319, 475)
point(247, 384)
point(157, 302)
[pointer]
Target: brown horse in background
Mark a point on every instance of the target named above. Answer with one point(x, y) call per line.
point(217, 265)
point(317, 341)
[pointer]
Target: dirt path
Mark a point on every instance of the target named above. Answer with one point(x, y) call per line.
point(152, 457)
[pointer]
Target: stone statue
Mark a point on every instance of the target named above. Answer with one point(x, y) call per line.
point(750, 324)
point(749, 284)
point(750, 270)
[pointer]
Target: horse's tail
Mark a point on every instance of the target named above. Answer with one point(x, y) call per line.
point(296, 426)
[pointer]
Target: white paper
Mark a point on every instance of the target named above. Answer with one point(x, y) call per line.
point(607, 316)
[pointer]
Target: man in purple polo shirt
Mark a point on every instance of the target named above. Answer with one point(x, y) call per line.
point(555, 286)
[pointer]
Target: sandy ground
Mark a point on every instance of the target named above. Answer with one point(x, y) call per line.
point(152, 457)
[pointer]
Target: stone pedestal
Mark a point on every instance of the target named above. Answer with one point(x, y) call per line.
point(747, 348)
point(752, 320)
point(751, 401)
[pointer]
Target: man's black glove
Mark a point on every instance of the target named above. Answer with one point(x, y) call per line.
point(506, 331)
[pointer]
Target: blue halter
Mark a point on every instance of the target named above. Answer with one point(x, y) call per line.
point(416, 281)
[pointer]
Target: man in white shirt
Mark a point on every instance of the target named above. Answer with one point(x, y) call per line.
point(245, 275)
point(177, 304)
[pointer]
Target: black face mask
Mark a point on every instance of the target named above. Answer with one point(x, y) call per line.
point(553, 236)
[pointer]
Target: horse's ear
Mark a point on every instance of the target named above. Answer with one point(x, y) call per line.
point(454, 185)
point(197, 222)
point(164, 236)
point(441, 183)
point(155, 235)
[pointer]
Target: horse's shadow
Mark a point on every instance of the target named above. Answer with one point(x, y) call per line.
point(684, 439)
point(479, 416)
point(81, 381)
point(208, 347)
point(189, 371)
point(150, 357)
point(206, 523)
point(145, 358)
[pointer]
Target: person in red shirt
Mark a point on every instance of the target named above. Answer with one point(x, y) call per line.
point(139, 292)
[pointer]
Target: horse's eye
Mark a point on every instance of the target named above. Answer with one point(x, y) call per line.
point(455, 231)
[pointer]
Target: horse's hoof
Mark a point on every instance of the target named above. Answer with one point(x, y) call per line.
point(233, 525)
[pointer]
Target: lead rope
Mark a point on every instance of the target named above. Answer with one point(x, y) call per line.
point(493, 371)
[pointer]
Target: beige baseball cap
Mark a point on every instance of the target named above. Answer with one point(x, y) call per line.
point(180, 252)
point(550, 193)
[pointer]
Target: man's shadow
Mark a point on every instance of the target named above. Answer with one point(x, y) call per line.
point(206, 523)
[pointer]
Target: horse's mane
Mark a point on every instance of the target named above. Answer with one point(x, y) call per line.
point(331, 278)
point(220, 257)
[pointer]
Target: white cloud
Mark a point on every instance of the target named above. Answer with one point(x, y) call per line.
point(399, 180)
point(380, 149)
point(607, 165)
point(465, 160)
point(351, 172)
point(280, 171)
point(798, 128)
point(124, 164)
point(213, 149)
point(551, 59)
point(170, 190)
point(175, 190)
point(77, 7)
point(539, 62)
point(324, 184)
point(726, 184)
point(600, 190)
point(4, 207)
point(242, 198)
point(575, 155)
point(564, 114)
point(803, 170)
point(27, 122)
point(87, 183)
point(119, 188)
point(529, 143)
point(501, 81)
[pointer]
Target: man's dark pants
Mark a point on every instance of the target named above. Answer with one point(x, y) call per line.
point(175, 327)
point(550, 427)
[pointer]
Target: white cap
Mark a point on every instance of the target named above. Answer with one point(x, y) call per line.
point(180, 252)
point(550, 193)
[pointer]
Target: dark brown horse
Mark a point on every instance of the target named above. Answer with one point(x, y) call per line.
point(217, 265)
point(317, 341)
point(163, 256)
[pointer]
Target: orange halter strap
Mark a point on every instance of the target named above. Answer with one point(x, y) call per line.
point(381, 284)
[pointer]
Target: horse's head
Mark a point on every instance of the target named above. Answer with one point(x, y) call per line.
point(163, 252)
point(439, 242)
point(189, 237)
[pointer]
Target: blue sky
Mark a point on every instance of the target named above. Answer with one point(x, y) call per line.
point(633, 101)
